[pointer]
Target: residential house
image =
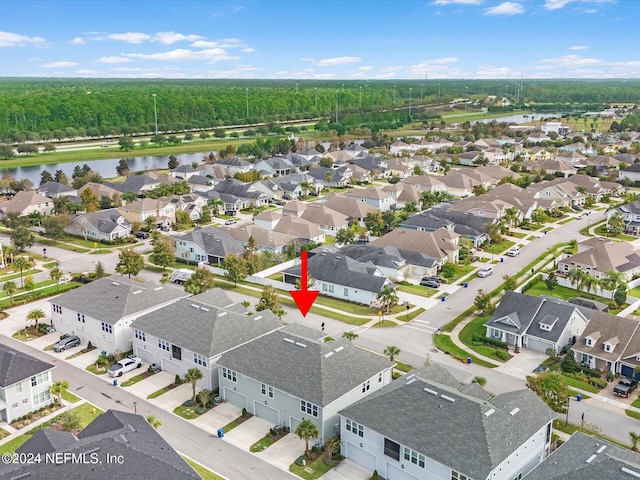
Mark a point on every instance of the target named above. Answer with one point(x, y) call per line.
point(25, 384)
point(268, 219)
point(360, 175)
point(101, 312)
point(191, 204)
point(460, 181)
point(403, 193)
point(24, 203)
point(604, 344)
point(275, 166)
point(467, 158)
point(466, 225)
point(200, 183)
point(107, 225)
point(537, 323)
point(397, 264)
point(141, 183)
point(266, 240)
point(332, 177)
point(596, 188)
point(496, 172)
point(185, 172)
point(354, 150)
point(631, 215)
point(235, 165)
point(484, 206)
point(604, 256)
point(567, 156)
point(342, 277)
point(427, 183)
point(399, 148)
point(194, 332)
point(441, 244)
point(303, 230)
point(508, 434)
point(630, 173)
point(375, 197)
point(162, 210)
point(308, 154)
point(586, 456)
point(299, 377)
point(552, 167)
point(237, 195)
point(115, 443)
point(564, 194)
point(101, 191)
point(355, 210)
point(56, 190)
point(376, 166)
point(519, 198)
point(207, 245)
point(328, 220)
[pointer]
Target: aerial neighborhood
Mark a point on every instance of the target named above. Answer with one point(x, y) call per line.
point(478, 285)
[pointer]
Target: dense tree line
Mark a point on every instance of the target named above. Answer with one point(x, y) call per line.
point(40, 110)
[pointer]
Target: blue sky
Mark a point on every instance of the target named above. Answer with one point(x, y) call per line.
point(321, 39)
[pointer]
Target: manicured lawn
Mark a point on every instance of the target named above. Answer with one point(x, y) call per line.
point(42, 293)
point(163, 390)
point(351, 307)
point(412, 314)
point(230, 426)
point(205, 473)
point(276, 276)
point(444, 343)
point(636, 403)
point(92, 368)
point(632, 413)
point(187, 412)
point(70, 397)
point(385, 323)
point(452, 324)
point(602, 231)
point(498, 248)
point(572, 382)
point(403, 367)
point(311, 471)
point(407, 287)
point(13, 444)
point(563, 293)
point(476, 327)
point(461, 271)
point(137, 378)
point(81, 352)
point(86, 413)
point(262, 444)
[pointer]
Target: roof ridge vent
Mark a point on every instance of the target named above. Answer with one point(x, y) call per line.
point(131, 428)
point(222, 314)
point(601, 449)
point(124, 439)
point(489, 412)
point(328, 354)
point(628, 471)
point(339, 349)
point(157, 288)
point(301, 345)
point(258, 317)
point(514, 411)
point(115, 283)
point(137, 292)
point(288, 340)
point(195, 306)
point(447, 398)
point(411, 381)
point(432, 392)
point(204, 309)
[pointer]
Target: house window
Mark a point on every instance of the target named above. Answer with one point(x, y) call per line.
point(57, 308)
point(39, 378)
point(327, 288)
point(19, 387)
point(392, 449)
point(355, 428)
point(380, 377)
point(346, 292)
point(414, 457)
point(458, 476)
point(176, 352)
point(42, 397)
point(607, 347)
point(366, 386)
point(81, 317)
point(310, 408)
point(229, 374)
point(267, 390)
point(107, 327)
point(140, 335)
point(163, 344)
point(199, 359)
point(589, 341)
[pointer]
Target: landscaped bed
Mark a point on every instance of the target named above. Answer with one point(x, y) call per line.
point(315, 464)
point(269, 439)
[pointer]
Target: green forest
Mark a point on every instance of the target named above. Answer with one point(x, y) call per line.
point(48, 109)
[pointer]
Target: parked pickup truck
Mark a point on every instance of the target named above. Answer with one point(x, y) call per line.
point(625, 386)
point(125, 365)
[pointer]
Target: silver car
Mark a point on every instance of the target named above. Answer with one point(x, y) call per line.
point(67, 342)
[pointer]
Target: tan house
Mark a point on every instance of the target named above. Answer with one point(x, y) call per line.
point(24, 203)
point(603, 256)
point(163, 210)
point(441, 244)
point(355, 210)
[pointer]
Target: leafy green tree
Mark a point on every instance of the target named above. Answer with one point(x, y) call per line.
point(173, 162)
point(389, 297)
point(20, 264)
point(510, 283)
point(201, 281)
point(350, 335)
point(21, 237)
point(374, 223)
point(392, 352)
point(552, 388)
point(70, 421)
point(345, 236)
point(448, 270)
point(270, 300)
point(130, 262)
point(56, 274)
point(192, 376)
point(99, 271)
point(10, 287)
point(479, 380)
point(35, 315)
point(54, 226)
point(183, 218)
point(58, 388)
point(635, 438)
point(306, 430)
point(90, 200)
point(126, 144)
point(164, 251)
point(6, 151)
point(551, 281)
point(482, 301)
point(45, 177)
point(151, 222)
point(205, 215)
point(122, 168)
point(615, 224)
point(154, 422)
point(236, 268)
point(620, 296)
point(29, 283)
point(48, 147)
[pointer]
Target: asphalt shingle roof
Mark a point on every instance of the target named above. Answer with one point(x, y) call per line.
point(16, 366)
point(214, 241)
point(297, 362)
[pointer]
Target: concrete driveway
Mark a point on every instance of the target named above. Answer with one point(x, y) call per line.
point(522, 364)
point(150, 384)
point(218, 417)
point(347, 470)
point(248, 433)
point(285, 451)
point(173, 398)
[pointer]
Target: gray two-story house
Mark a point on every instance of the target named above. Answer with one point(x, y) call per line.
point(292, 374)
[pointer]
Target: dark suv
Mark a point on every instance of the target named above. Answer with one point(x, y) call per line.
point(429, 283)
point(432, 279)
point(142, 235)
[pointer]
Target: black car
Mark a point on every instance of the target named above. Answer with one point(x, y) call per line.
point(577, 208)
point(430, 283)
point(432, 279)
point(142, 235)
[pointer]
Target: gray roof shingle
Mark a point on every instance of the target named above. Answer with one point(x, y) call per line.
point(16, 366)
point(294, 360)
point(214, 241)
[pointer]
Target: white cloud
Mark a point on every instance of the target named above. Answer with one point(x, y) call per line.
point(8, 39)
point(558, 4)
point(78, 41)
point(114, 59)
point(330, 62)
point(89, 72)
point(169, 38)
point(247, 50)
point(211, 55)
point(204, 44)
point(506, 8)
point(61, 64)
point(365, 68)
point(489, 71)
point(572, 61)
point(130, 37)
point(578, 47)
point(457, 2)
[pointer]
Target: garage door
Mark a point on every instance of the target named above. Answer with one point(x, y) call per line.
point(293, 423)
point(396, 473)
point(626, 371)
point(170, 367)
point(537, 345)
point(146, 356)
point(361, 457)
point(235, 398)
point(268, 413)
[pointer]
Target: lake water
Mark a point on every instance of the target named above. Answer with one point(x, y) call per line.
point(106, 168)
point(520, 118)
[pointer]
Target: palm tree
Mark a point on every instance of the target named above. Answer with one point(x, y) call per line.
point(305, 186)
point(10, 287)
point(56, 274)
point(35, 315)
point(589, 282)
point(613, 280)
point(154, 422)
point(58, 389)
point(349, 335)
point(389, 297)
point(391, 351)
point(20, 264)
point(574, 275)
point(573, 244)
point(193, 375)
point(306, 430)
point(510, 215)
point(635, 438)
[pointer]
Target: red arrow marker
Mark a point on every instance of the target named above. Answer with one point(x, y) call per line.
point(304, 298)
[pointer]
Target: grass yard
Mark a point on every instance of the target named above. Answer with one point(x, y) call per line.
point(13, 444)
point(407, 287)
point(572, 382)
point(100, 370)
point(476, 327)
point(517, 234)
point(498, 248)
point(444, 343)
point(205, 473)
point(312, 470)
point(412, 314)
point(163, 390)
point(564, 293)
point(70, 397)
point(136, 379)
point(262, 444)
point(187, 412)
point(403, 367)
point(602, 231)
point(461, 271)
point(385, 323)
point(632, 413)
point(566, 220)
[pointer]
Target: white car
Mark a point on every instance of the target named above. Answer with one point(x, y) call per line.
point(124, 365)
point(485, 272)
point(513, 251)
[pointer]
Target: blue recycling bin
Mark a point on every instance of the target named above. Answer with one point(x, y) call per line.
point(465, 284)
point(443, 298)
point(220, 432)
point(468, 359)
point(501, 259)
point(115, 382)
point(579, 397)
